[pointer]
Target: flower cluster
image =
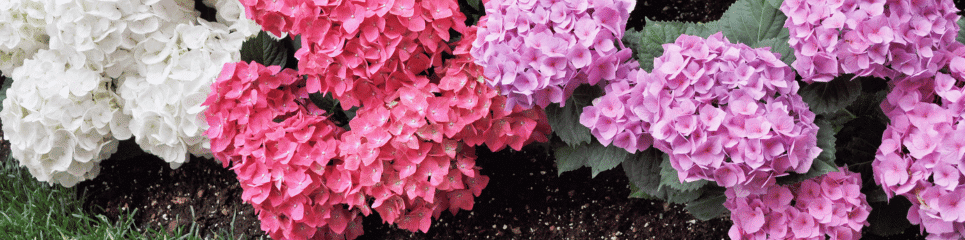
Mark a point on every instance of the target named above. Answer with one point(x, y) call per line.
point(150, 60)
point(537, 52)
point(61, 118)
point(21, 32)
point(868, 38)
point(349, 45)
point(831, 204)
point(921, 151)
point(724, 112)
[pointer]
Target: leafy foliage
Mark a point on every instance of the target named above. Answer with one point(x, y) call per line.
point(885, 217)
point(593, 155)
point(565, 120)
point(827, 97)
point(265, 50)
point(753, 21)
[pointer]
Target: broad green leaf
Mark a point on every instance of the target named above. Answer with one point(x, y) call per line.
point(830, 96)
point(569, 158)
point(636, 192)
point(703, 30)
point(888, 218)
point(668, 178)
point(604, 158)
point(7, 82)
point(824, 163)
point(682, 197)
point(475, 4)
point(708, 206)
point(647, 43)
point(265, 50)
point(752, 21)
point(961, 34)
point(565, 120)
point(643, 170)
point(594, 155)
point(780, 46)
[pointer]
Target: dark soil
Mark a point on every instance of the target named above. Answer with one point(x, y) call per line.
point(525, 199)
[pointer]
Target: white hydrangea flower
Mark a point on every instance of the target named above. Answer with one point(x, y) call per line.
point(21, 32)
point(58, 118)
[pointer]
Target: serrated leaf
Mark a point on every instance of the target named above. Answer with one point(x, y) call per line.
point(668, 178)
point(565, 121)
point(682, 197)
point(594, 155)
point(708, 206)
point(961, 34)
point(778, 45)
point(569, 158)
point(647, 43)
point(265, 50)
point(643, 170)
point(7, 82)
point(703, 30)
point(636, 192)
point(824, 163)
point(888, 218)
point(752, 21)
point(604, 158)
point(827, 97)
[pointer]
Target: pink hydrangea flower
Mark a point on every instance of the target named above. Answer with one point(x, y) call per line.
point(537, 53)
point(818, 208)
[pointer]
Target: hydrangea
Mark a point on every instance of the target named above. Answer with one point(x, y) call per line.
point(61, 118)
point(831, 204)
point(175, 67)
point(879, 38)
point(152, 59)
point(21, 32)
point(538, 52)
point(921, 150)
point(348, 45)
point(723, 112)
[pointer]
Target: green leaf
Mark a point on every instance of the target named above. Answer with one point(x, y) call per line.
point(703, 30)
point(752, 21)
point(778, 45)
point(682, 197)
point(643, 170)
point(668, 177)
point(475, 4)
point(961, 34)
point(594, 155)
point(824, 163)
point(636, 192)
point(888, 218)
point(265, 50)
point(7, 82)
point(708, 206)
point(647, 43)
point(830, 96)
point(569, 158)
point(565, 121)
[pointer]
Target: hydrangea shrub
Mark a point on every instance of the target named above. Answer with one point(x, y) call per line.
point(921, 151)
point(537, 52)
point(829, 205)
point(151, 61)
point(868, 38)
point(724, 112)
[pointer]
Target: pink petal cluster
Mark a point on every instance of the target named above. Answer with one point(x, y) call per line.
point(723, 112)
point(349, 46)
point(831, 204)
point(537, 52)
point(922, 149)
point(408, 156)
point(867, 37)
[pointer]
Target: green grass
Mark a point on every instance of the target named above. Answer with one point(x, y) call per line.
point(30, 209)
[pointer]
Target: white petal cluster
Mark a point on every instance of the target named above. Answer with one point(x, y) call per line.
point(108, 70)
point(61, 118)
point(21, 32)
